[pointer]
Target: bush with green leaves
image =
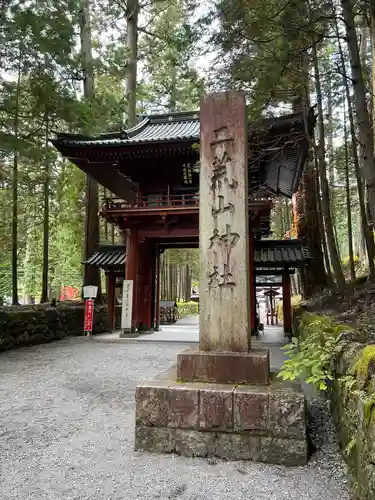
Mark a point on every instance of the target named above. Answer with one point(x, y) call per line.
point(309, 355)
point(187, 308)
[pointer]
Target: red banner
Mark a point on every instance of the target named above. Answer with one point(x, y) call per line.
point(89, 315)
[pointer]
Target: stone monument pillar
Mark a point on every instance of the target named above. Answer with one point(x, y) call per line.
point(220, 400)
point(225, 327)
point(224, 224)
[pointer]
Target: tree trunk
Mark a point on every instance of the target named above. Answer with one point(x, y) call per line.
point(313, 278)
point(132, 11)
point(369, 239)
point(15, 192)
point(15, 230)
point(46, 181)
point(92, 230)
point(321, 224)
point(287, 215)
point(365, 133)
point(331, 243)
point(372, 34)
point(331, 167)
point(348, 203)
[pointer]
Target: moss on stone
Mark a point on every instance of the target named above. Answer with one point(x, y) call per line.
point(352, 395)
point(365, 365)
point(368, 408)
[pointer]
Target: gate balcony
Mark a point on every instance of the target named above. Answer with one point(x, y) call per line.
point(172, 203)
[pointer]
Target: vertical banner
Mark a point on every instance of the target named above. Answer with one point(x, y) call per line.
point(89, 316)
point(127, 305)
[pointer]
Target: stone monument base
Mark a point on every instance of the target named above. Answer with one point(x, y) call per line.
point(264, 423)
point(224, 367)
point(127, 334)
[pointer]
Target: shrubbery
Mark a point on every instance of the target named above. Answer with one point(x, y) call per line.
point(310, 353)
point(187, 308)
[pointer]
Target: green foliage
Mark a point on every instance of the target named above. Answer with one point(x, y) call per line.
point(187, 308)
point(188, 256)
point(309, 356)
point(171, 82)
point(41, 82)
point(295, 300)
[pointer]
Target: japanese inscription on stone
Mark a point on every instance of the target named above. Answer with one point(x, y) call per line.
point(223, 187)
point(127, 305)
point(224, 224)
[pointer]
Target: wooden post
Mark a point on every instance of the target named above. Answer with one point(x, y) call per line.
point(287, 304)
point(111, 299)
point(252, 292)
point(157, 290)
point(224, 224)
point(144, 285)
point(131, 269)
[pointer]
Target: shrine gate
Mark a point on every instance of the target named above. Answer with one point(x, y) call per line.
point(153, 172)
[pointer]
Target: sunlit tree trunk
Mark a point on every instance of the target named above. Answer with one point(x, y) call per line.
point(132, 11)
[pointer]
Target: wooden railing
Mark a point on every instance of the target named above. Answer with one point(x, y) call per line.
point(154, 202)
point(161, 201)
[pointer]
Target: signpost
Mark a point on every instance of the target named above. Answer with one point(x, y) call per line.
point(127, 307)
point(89, 294)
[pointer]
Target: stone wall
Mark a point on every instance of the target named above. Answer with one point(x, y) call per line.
point(352, 398)
point(353, 407)
point(30, 325)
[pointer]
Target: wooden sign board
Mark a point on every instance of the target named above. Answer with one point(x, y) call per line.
point(90, 292)
point(127, 305)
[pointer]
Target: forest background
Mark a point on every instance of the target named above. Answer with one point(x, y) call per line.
point(93, 66)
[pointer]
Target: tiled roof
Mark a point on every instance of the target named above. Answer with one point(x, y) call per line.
point(267, 253)
point(155, 128)
point(278, 148)
point(174, 127)
point(108, 256)
point(279, 253)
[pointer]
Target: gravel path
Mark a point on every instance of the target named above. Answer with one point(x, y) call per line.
point(66, 432)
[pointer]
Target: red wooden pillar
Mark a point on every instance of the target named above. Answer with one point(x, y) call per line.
point(252, 294)
point(157, 290)
point(131, 268)
point(144, 285)
point(287, 304)
point(111, 285)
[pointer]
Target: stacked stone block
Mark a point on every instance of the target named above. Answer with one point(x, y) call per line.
point(260, 423)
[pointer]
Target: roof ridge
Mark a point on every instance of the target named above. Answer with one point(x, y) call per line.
point(172, 117)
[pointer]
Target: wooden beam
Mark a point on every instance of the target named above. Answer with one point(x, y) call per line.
point(271, 271)
point(169, 233)
point(259, 284)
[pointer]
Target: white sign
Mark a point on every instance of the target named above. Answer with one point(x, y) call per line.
point(127, 305)
point(90, 292)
